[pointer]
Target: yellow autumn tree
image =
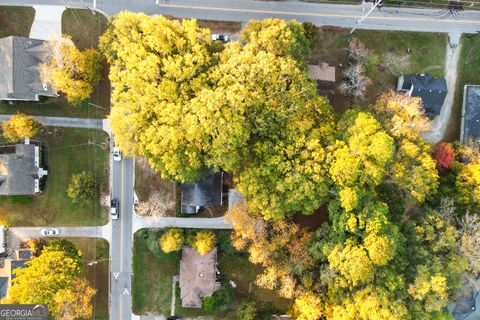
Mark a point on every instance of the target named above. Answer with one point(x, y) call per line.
point(468, 178)
point(75, 302)
point(308, 306)
point(203, 242)
point(19, 127)
point(172, 240)
point(72, 71)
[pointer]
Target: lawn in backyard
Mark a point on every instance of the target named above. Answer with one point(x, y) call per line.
point(15, 21)
point(153, 271)
point(468, 73)
point(68, 151)
point(427, 56)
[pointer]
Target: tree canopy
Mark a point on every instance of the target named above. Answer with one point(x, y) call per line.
point(19, 127)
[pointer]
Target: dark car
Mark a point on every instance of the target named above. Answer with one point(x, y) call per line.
point(175, 318)
point(219, 37)
point(114, 209)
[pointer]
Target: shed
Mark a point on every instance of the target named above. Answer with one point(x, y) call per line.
point(321, 72)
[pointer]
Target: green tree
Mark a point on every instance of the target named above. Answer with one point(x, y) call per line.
point(221, 300)
point(72, 71)
point(172, 240)
point(83, 187)
point(19, 127)
point(247, 310)
point(67, 247)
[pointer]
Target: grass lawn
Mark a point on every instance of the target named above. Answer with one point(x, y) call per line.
point(84, 27)
point(68, 153)
point(97, 274)
point(153, 272)
point(54, 107)
point(468, 73)
point(15, 21)
point(428, 55)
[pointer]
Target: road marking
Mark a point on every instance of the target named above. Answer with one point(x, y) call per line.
point(328, 15)
point(125, 292)
point(116, 274)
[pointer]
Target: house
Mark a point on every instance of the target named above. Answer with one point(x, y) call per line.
point(470, 128)
point(198, 277)
point(7, 270)
point(205, 193)
point(20, 170)
point(321, 72)
point(431, 90)
point(20, 64)
point(467, 306)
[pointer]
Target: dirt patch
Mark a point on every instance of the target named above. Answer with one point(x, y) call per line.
point(314, 221)
point(221, 26)
point(156, 196)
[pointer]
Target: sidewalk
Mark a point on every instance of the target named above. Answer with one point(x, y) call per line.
point(47, 24)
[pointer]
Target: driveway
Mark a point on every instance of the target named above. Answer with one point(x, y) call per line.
point(191, 223)
point(440, 123)
point(47, 23)
point(99, 124)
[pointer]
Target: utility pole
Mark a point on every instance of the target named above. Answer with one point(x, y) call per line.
point(364, 16)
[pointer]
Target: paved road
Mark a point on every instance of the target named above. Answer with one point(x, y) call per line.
point(121, 245)
point(320, 14)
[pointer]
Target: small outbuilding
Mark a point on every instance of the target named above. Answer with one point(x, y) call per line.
point(207, 192)
point(467, 306)
point(432, 91)
point(20, 170)
point(321, 72)
point(198, 276)
point(470, 128)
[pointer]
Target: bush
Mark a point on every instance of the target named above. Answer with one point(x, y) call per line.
point(221, 300)
point(310, 31)
point(224, 243)
point(247, 310)
point(172, 240)
point(83, 187)
point(204, 242)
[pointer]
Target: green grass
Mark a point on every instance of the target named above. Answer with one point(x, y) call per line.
point(84, 27)
point(153, 272)
point(68, 153)
point(428, 55)
point(15, 21)
point(54, 107)
point(468, 73)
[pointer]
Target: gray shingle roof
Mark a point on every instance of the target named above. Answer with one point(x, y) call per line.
point(3, 286)
point(471, 113)
point(431, 90)
point(20, 60)
point(204, 193)
point(18, 170)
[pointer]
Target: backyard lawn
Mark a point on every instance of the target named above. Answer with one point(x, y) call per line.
point(468, 73)
point(15, 21)
point(69, 151)
point(153, 272)
point(427, 56)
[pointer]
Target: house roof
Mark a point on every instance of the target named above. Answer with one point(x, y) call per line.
point(18, 169)
point(3, 286)
point(20, 60)
point(431, 90)
point(471, 113)
point(7, 271)
point(25, 254)
point(466, 307)
point(198, 277)
point(204, 193)
point(322, 72)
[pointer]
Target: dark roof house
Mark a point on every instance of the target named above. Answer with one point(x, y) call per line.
point(198, 277)
point(20, 75)
point(431, 90)
point(20, 170)
point(470, 128)
point(7, 272)
point(467, 306)
point(204, 193)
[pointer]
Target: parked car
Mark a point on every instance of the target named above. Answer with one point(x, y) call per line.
point(117, 154)
point(114, 209)
point(49, 232)
point(219, 37)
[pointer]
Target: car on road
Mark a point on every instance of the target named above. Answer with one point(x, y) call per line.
point(114, 209)
point(219, 37)
point(117, 154)
point(49, 232)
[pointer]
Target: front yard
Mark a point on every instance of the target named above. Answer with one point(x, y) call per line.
point(152, 281)
point(427, 55)
point(15, 21)
point(69, 151)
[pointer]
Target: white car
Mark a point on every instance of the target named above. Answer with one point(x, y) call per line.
point(219, 37)
point(49, 232)
point(114, 209)
point(117, 154)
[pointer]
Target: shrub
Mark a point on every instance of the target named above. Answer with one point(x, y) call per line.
point(172, 240)
point(83, 187)
point(204, 242)
point(247, 310)
point(444, 155)
point(310, 31)
point(221, 300)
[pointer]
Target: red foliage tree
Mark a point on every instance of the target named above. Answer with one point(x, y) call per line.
point(444, 155)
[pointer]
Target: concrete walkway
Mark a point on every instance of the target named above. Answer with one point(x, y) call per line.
point(99, 124)
point(440, 123)
point(47, 24)
point(166, 222)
